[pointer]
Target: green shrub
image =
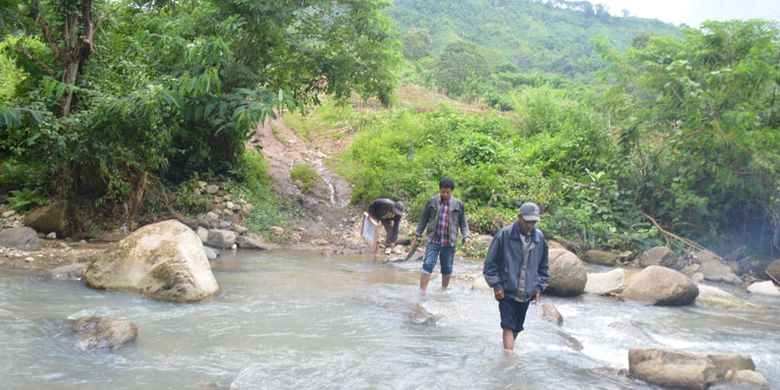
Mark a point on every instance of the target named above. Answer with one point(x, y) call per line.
point(23, 200)
point(305, 177)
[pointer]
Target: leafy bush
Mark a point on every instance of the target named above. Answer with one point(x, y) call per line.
point(305, 177)
point(23, 200)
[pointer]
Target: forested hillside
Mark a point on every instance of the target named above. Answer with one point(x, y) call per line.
point(546, 36)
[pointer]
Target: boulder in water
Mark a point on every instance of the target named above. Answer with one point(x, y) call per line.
point(594, 256)
point(715, 297)
point(551, 314)
point(715, 269)
point(479, 284)
point(73, 271)
point(102, 333)
point(676, 369)
point(221, 239)
point(605, 283)
point(211, 254)
point(22, 238)
point(51, 218)
point(567, 274)
point(746, 380)
point(163, 261)
point(661, 286)
point(253, 241)
point(764, 288)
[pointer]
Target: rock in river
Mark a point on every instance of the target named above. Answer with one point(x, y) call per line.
point(567, 274)
point(661, 286)
point(106, 333)
point(163, 261)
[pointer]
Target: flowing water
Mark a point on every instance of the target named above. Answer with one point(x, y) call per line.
point(289, 319)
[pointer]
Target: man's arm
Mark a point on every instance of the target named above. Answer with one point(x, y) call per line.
point(372, 208)
point(396, 226)
point(464, 225)
point(544, 275)
point(423, 219)
point(493, 263)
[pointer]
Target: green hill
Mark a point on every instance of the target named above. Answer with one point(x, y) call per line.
point(551, 36)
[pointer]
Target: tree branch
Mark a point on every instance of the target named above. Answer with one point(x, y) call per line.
point(47, 34)
point(27, 54)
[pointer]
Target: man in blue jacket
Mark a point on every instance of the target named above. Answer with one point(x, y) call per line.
point(444, 217)
point(516, 267)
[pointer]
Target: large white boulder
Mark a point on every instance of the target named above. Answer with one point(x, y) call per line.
point(680, 370)
point(764, 288)
point(567, 274)
point(605, 283)
point(163, 261)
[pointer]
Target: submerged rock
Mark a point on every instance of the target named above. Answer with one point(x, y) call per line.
point(676, 369)
point(253, 241)
point(551, 314)
point(102, 333)
point(661, 286)
point(567, 274)
point(715, 297)
point(22, 238)
point(211, 254)
point(163, 261)
point(221, 239)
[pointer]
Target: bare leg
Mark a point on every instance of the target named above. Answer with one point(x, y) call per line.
point(509, 337)
point(445, 282)
point(424, 279)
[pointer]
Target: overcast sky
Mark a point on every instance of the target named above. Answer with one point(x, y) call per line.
point(693, 12)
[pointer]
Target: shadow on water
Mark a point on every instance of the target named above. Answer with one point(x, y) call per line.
point(296, 319)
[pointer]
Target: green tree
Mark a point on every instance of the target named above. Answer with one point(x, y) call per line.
point(459, 67)
point(417, 43)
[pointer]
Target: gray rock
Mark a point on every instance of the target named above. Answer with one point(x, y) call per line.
point(51, 236)
point(662, 256)
point(717, 298)
point(715, 269)
point(225, 225)
point(102, 333)
point(671, 369)
point(247, 209)
point(202, 233)
point(774, 269)
point(764, 288)
point(73, 271)
point(479, 284)
point(594, 256)
point(162, 261)
point(51, 218)
point(319, 242)
point(253, 241)
point(212, 189)
point(567, 274)
point(661, 286)
point(23, 238)
point(551, 314)
point(747, 380)
point(211, 254)
point(221, 239)
point(605, 283)
point(9, 214)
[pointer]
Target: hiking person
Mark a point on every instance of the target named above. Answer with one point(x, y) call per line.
point(444, 217)
point(516, 267)
point(389, 213)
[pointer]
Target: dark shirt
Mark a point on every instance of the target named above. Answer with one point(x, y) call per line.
point(382, 211)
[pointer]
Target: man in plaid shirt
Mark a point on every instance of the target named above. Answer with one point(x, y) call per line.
point(444, 217)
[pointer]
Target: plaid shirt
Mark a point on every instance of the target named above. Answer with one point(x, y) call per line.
point(442, 236)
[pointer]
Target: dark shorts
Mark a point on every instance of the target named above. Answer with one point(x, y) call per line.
point(512, 314)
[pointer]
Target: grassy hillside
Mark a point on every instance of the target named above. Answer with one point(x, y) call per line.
point(550, 37)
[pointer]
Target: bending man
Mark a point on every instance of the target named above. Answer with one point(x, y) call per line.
point(389, 213)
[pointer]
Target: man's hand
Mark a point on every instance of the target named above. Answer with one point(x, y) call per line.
point(499, 294)
point(467, 241)
point(535, 297)
point(414, 240)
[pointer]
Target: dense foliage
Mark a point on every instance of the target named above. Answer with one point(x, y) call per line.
point(99, 96)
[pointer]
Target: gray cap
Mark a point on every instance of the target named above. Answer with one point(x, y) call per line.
point(398, 207)
point(529, 211)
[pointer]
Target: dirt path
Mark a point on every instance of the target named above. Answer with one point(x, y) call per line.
point(328, 214)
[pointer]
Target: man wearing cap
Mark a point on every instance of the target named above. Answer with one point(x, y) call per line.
point(389, 213)
point(444, 216)
point(516, 267)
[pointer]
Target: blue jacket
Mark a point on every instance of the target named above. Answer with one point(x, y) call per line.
point(504, 262)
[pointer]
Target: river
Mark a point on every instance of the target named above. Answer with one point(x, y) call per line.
point(296, 319)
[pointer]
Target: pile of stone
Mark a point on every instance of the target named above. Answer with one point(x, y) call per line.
point(10, 218)
point(223, 204)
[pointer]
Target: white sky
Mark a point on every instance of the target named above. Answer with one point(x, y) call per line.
point(693, 12)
